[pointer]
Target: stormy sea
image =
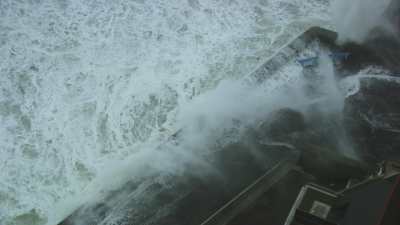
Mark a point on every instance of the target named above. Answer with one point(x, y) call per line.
point(125, 112)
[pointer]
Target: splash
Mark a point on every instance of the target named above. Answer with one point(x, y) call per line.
point(209, 122)
point(354, 20)
point(85, 85)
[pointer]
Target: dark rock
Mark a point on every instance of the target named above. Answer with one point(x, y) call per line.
point(282, 123)
point(372, 119)
point(329, 165)
point(381, 48)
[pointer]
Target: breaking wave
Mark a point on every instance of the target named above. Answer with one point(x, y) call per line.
point(89, 89)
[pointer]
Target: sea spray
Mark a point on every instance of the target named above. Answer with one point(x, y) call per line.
point(86, 85)
point(355, 20)
point(226, 113)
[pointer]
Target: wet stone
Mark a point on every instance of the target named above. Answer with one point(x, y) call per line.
point(372, 119)
point(282, 123)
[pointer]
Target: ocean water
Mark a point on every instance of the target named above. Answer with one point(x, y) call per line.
point(89, 89)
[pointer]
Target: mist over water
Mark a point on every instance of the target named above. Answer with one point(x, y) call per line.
point(90, 89)
point(354, 20)
point(209, 122)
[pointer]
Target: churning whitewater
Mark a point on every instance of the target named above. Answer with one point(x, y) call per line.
point(89, 89)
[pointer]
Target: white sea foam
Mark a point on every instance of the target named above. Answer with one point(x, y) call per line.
point(88, 89)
